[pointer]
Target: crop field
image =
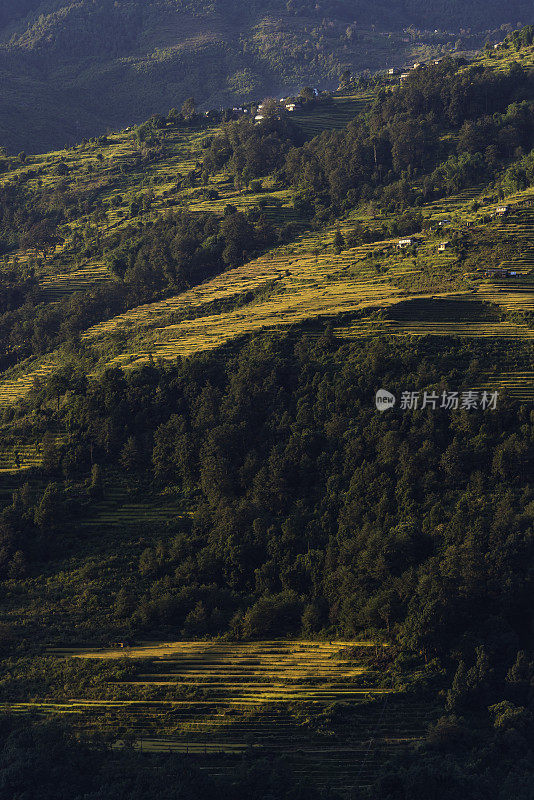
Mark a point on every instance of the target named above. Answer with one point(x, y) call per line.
point(303, 285)
point(16, 459)
point(282, 288)
point(92, 167)
point(456, 315)
point(299, 282)
point(118, 511)
point(17, 383)
point(502, 59)
point(333, 116)
point(79, 280)
point(318, 704)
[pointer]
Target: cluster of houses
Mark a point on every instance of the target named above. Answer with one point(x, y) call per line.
point(403, 244)
point(396, 71)
point(257, 109)
point(498, 272)
point(290, 104)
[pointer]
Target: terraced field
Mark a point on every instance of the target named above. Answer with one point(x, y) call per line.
point(456, 315)
point(19, 382)
point(15, 459)
point(301, 286)
point(92, 168)
point(287, 286)
point(316, 703)
point(57, 286)
point(333, 116)
point(117, 511)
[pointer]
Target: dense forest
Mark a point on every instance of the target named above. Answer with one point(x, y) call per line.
point(316, 515)
point(283, 442)
point(46, 759)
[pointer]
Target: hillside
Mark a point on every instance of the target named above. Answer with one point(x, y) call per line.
point(224, 571)
point(96, 195)
point(71, 70)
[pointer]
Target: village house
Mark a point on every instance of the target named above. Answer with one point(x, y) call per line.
point(404, 243)
point(444, 246)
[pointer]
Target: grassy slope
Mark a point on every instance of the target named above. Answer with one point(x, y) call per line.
point(295, 283)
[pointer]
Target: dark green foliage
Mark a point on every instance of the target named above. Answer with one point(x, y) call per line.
point(307, 496)
point(47, 761)
point(379, 156)
point(249, 150)
point(128, 60)
point(150, 259)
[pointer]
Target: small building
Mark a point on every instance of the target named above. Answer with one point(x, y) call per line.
point(495, 273)
point(404, 76)
point(393, 71)
point(291, 107)
point(444, 246)
point(259, 118)
point(404, 243)
point(502, 211)
point(417, 65)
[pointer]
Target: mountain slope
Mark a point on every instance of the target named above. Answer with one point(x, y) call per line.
point(361, 582)
point(73, 69)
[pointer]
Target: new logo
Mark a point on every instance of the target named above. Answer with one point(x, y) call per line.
point(384, 400)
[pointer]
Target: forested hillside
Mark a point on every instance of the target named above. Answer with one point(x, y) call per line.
point(74, 69)
point(224, 569)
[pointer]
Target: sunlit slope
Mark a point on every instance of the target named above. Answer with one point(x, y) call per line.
point(308, 280)
point(303, 281)
point(215, 698)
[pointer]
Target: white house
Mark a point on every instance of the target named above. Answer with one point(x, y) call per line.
point(404, 243)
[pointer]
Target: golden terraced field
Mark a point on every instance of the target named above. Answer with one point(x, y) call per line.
point(285, 287)
point(266, 697)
